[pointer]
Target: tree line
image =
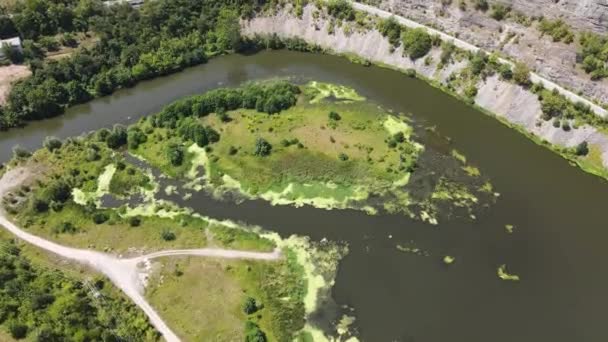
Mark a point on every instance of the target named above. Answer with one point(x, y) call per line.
point(161, 37)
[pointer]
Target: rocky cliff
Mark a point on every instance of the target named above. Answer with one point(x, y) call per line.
point(555, 61)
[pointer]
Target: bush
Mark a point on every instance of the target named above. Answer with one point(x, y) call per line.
point(168, 235)
point(478, 62)
point(58, 191)
point(175, 154)
point(134, 221)
point(39, 205)
point(343, 156)
point(262, 148)
point(416, 42)
point(521, 74)
point(341, 9)
point(117, 138)
point(136, 137)
point(390, 29)
point(232, 150)
point(65, 228)
point(18, 331)
point(480, 5)
point(20, 152)
point(250, 306)
point(253, 333)
point(334, 116)
point(52, 143)
point(470, 91)
point(582, 149)
point(499, 11)
point(399, 137)
point(505, 71)
point(100, 217)
point(557, 29)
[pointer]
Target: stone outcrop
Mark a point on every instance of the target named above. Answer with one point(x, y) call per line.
point(555, 61)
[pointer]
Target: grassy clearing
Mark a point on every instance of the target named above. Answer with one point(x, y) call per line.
point(215, 291)
point(315, 159)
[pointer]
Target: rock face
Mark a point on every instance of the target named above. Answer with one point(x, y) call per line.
point(587, 15)
point(513, 103)
point(555, 61)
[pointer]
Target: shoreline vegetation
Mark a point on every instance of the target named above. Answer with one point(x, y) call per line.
point(48, 92)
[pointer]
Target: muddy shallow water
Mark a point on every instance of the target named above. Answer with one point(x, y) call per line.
point(558, 247)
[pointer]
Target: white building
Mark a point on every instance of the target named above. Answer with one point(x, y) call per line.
point(14, 43)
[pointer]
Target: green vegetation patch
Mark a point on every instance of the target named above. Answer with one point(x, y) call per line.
point(45, 304)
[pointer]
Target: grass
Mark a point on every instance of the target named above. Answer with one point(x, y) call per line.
point(213, 291)
point(307, 148)
point(116, 234)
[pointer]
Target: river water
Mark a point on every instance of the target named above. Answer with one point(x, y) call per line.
point(558, 248)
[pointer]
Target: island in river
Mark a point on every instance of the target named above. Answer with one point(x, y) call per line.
point(316, 144)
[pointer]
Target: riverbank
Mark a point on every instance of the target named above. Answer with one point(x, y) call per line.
point(519, 106)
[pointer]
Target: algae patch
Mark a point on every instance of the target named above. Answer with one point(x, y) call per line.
point(103, 188)
point(504, 275)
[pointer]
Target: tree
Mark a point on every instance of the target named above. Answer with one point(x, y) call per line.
point(168, 235)
point(334, 116)
point(253, 333)
point(175, 153)
point(228, 30)
point(416, 42)
point(249, 306)
point(118, 137)
point(52, 143)
point(521, 74)
point(582, 149)
point(390, 29)
point(262, 148)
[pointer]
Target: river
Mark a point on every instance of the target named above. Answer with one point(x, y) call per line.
point(558, 247)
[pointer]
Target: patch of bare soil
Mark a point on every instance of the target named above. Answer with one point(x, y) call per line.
point(8, 75)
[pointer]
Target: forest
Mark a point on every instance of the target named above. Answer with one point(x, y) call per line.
point(43, 304)
point(161, 37)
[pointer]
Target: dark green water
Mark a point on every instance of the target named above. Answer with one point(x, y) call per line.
point(558, 248)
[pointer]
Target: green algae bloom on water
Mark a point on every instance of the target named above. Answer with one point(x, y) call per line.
point(448, 259)
point(509, 228)
point(502, 274)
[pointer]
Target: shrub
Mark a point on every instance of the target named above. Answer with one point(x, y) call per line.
point(499, 11)
point(58, 191)
point(168, 235)
point(334, 116)
point(521, 74)
point(117, 138)
point(505, 71)
point(135, 137)
point(343, 156)
point(582, 149)
point(52, 143)
point(341, 9)
point(478, 62)
point(232, 150)
point(175, 154)
point(262, 148)
point(100, 217)
point(250, 306)
point(470, 91)
point(399, 137)
point(18, 330)
point(65, 228)
point(416, 43)
point(20, 152)
point(253, 333)
point(390, 29)
point(134, 221)
point(39, 205)
point(480, 5)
